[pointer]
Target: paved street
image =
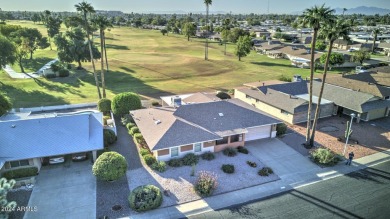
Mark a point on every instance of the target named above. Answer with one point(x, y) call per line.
point(361, 194)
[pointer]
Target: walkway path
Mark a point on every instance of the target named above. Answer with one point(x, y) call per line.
point(13, 74)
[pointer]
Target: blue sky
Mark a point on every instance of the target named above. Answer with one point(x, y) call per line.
point(235, 6)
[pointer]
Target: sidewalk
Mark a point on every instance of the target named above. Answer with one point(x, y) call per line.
point(13, 74)
point(287, 182)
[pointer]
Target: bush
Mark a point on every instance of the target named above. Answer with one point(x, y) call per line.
point(284, 78)
point(20, 173)
point(5, 104)
point(159, 166)
point(206, 183)
point(144, 152)
point(144, 198)
point(134, 130)
point(281, 129)
point(104, 105)
point(124, 102)
point(251, 164)
point(126, 119)
point(155, 103)
point(149, 159)
point(208, 156)
point(230, 152)
point(223, 95)
point(130, 125)
point(190, 159)
point(69, 66)
point(138, 138)
point(228, 168)
point(109, 166)
point(324, 156)
point(55, 67)
point(175, 162)
point(63, 73)
point(109, 137)
point(265, 171)
point(242, 150)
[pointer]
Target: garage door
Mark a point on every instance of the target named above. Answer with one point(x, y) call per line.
point(258, 133)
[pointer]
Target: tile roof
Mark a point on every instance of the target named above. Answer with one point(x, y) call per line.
point(293, 88)
point(201, 98)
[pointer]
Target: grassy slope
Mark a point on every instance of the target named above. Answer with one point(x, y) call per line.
point(151, 64)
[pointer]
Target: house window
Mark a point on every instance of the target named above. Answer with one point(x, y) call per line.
point(198, 147)
point(174, 152)
point(223, 141)
point(236, 138)
point(284, 112)
point(19, 163)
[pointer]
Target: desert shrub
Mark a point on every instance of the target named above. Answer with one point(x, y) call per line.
point(284, 78)
point(55, 67)
point(143, 152)
point(223, 95)
point(281, 129)
point(155, 103)
point(149, 159)
point(251, 164)
point(324, 156)
point(104, 105)
point(63, 72)
point(190, 159)
point(5, 104)
point(242, 150)
point(125, 119)
point(231, 92)
point(138, 138)
point(130, 125)
point(124, 102)
point(20, 173)
point(134, 130)
point(109, 166)
point(208, 156)
point(49, 75)
point(109, 137)
point(144, 198)
point(228, 168)
point(230, 152)
point(265, 171)
point(159, 166)
point(175, 162)
point(206, 183)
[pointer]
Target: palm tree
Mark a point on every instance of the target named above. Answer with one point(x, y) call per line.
point(344, 10)
point(86, 8)
point(332, 31)
point(206, 49)
point(314, 17)
point(102, 23)
point(375, 33)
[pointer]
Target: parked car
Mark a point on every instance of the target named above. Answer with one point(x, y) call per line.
point(56, 160)
point(361, 69)
point(80, 156)
point(351, 50)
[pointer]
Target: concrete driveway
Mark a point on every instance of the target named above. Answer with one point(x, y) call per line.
point(287, 163)
point(64, 191)
point(382, 122)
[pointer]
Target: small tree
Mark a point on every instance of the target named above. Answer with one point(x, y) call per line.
point(5, 186)
point(5, 104)
point(124, 102)
point(109, 166)
point(335, 59)
point(243, 47)
point(320, 45)
point(360, 56)
point(104, 105)
point(189, 30)
point(164, 31)
point(7, 52)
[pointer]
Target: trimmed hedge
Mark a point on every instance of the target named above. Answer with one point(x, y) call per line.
point(20, 173)
point(138, 138)
point(130, 125)
point(230, 152)
point(125, 119)
point(149, 159)
point(228, 168)
point(144, 152)
point(109, 137)
point(144, 198)
point(242, 150)
point(134, 130)
point(109, 166)
point(63, 73)
point(190, 159)
point(208, 156)
point(281, 129)
point(223, 95)
point(104, 105)
point(124, 102)
point(159, 166)
point(175, 162)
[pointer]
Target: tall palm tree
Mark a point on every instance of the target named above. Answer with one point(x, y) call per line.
point(314, 17)
point(375, 33)
point(332, 31)
point(206, 49)
point(102, 23)
point(86, 8)
point(344, 10)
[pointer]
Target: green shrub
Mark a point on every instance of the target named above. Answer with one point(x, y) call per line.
point(175, 162)
point(130, 125)
point(5, 104)
point(284, 78)
point(144, 198)
point(242, 150)
point(63, 73)
point(230, 152)
point(265, 171)
point(55, 67)
point(190, 159)
point(223, 95)
point(149, 159)
point(144, 152)
point(159, 166)
point(69, 66)
point(324, 156)
point(109, 166)
point(155, 103)
point(134, 130)
point(20, 173)
point(138, 138)
point(104, 105)
point(124, 102)
point(208, 156)
point(228, 168)
point(206, 183)
point(125, 119)
point(109, 137)
point(281, 129)
point(251, 164)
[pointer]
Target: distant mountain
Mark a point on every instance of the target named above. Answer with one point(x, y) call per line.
point(364, 10)
point(184, 12)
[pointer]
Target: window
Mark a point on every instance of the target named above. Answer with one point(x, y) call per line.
point(174, 152)
point(236, 138)
point(19, 163)
point(198, 147)
point(223, 141)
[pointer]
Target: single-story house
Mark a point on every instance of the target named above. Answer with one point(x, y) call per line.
point(267, 46)
point(260, 33)
point(201, 127)
point(299, 56)
point(341, 44)
point(183, 99)
point(26, 138)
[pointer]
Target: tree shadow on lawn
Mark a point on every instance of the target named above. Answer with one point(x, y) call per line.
point(270, 64)
point(118, 47)
point(56, 88)
point(36, 63)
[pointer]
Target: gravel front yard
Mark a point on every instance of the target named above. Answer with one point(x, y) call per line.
point(21, 196)
point(179, 182)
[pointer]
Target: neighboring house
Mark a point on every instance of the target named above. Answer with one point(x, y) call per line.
point(340, 44)
point(201, 127)
point(183, 99)
point(26, 138)
point(260, 34)
point(384, 47)
point(299, 56)
point(267, 46)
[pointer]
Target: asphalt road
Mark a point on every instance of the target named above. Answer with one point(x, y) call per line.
point(361, 194)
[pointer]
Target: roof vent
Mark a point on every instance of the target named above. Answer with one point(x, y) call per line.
point(13, 126)
point(220, 114)
point(157, 122)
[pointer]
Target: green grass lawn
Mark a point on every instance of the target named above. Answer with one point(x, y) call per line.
point(146, 62)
